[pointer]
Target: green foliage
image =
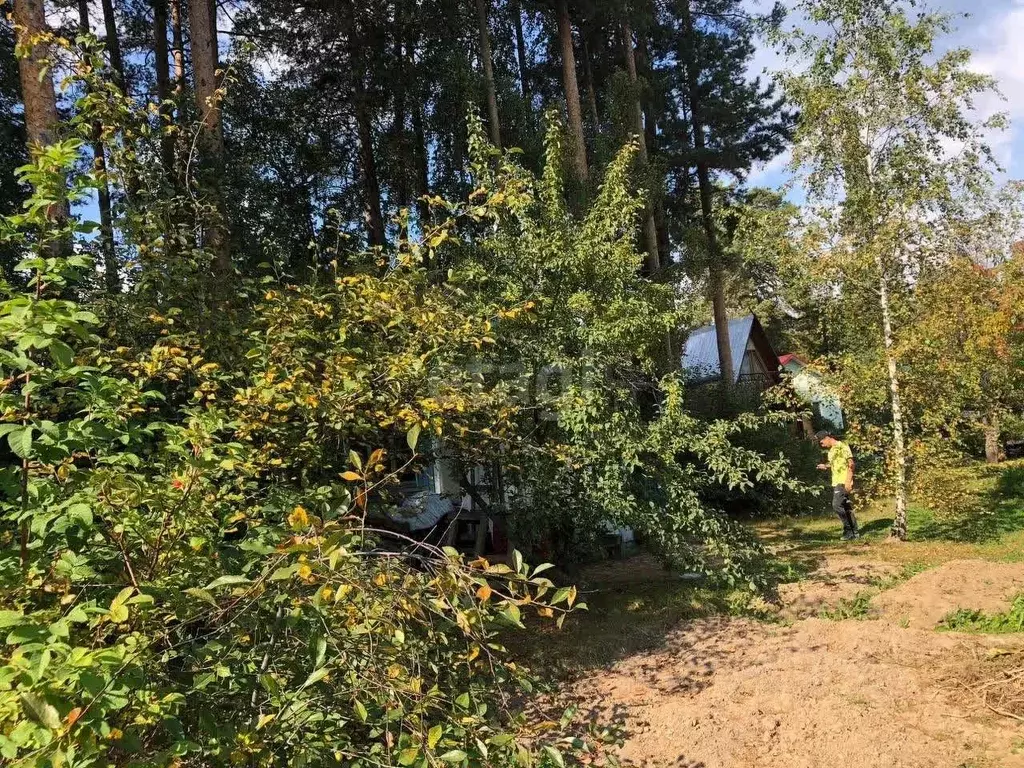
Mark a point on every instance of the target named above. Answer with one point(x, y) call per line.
point(179, 598)
point(897, 223)
point(859, 606)
point(967, 620)
point(191, 570)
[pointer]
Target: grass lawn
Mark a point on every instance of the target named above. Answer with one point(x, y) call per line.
point(634, 603)
point(996, 533)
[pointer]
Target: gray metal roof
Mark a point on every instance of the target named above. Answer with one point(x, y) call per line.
point(700, 358)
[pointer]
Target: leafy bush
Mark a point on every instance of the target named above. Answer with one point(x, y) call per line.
point(191, 575)
point(177, 599)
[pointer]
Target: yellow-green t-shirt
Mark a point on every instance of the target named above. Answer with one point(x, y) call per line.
point(839, 458)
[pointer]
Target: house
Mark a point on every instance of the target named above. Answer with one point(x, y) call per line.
point(754, 362)
point(812, 389)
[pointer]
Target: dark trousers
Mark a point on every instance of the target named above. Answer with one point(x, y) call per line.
point(843, 507)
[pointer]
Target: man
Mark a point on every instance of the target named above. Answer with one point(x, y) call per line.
point(840, 463)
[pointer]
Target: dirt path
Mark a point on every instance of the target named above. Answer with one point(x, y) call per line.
point(735, 693)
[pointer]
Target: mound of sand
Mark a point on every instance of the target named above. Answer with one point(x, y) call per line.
point(734, 693)
point(837, 578)
point(925, 599)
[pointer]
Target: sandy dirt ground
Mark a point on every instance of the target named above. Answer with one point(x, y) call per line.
point(810, 692)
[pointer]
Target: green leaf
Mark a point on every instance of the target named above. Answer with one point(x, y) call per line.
point(316, 677)
point(360, 711)
point(118, 614)
point(512, 615)
point(463, 700)
point(354, 460)
point(560, 596)
point(434, 736)
point(21, 442)
point(408, 756)
point(517, 561)
point(264, 719)
point(42, 712)
point(61, 353)
point(555, 755)
point(201, 594)
point(122, 596)
point(11, 618)
point(542, 567)
point(454, 756)
point(227, 580)
point(413, 436)
point(284, 573)
point(321, 652)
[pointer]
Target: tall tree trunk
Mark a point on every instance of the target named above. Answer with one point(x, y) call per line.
point(372, 216)
point(572, 91)
point(716, 277)
point(163, 85)
point(36, 83)
point(991, 427)
point(178, 48)
point(398, 124)
point(38, 96)
point(651, 145)
point(106, 238)
point(203, 29)
point(524, 73)
point(421, 162)
point(494, 128)
point(899, 523)
point(422, 165)
point(652, 260)
point(588, 72)
point(113, 42)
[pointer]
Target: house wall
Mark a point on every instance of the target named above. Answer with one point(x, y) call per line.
point(753, 363)
point(813, 390)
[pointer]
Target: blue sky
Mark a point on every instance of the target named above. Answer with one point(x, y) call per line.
point(994, 31)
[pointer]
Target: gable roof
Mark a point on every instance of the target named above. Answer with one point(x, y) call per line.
point(785, 360)
point(700, 357)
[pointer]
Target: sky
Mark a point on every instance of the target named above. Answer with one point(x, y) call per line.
point(994, 32)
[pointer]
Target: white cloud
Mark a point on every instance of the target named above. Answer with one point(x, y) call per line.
point(998, 52)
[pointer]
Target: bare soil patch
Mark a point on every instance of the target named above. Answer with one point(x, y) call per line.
point(736, 693)
point(926, 598)
point(837, 578)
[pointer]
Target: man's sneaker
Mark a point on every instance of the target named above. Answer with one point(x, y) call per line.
point(847, 536)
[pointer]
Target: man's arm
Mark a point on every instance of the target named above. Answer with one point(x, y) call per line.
point(849, 474)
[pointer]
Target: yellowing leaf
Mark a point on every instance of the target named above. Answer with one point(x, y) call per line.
point(434, 736)
point(351, 476)
point(299, 518)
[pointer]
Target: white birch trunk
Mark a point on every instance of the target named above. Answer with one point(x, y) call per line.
point(899, 522)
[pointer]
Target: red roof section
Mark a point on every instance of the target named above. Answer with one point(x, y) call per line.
point(788, 358)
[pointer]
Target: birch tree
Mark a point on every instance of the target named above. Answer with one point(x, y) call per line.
point(889, 144)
